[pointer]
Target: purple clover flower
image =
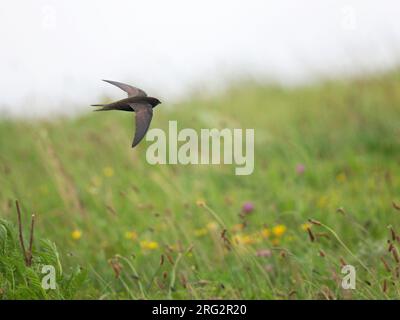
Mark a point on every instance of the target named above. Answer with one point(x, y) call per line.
point(247, 207)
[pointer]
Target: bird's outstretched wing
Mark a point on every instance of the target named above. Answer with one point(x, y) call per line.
point(144, 114)
point(130, 90)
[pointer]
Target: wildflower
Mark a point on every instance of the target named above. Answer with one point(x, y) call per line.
point(244, 239)
point(131, 235)
point(148, 245)
point(279, 230)
point(247, 207)
point(76, 234)
point(247, 239)
point(200, 232)
point(201, 203)
point(300, 168)
point(264, 253)
point(108, 171)
point(265, 233)
point(305, 226)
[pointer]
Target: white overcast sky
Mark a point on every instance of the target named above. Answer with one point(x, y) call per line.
point(53, 53)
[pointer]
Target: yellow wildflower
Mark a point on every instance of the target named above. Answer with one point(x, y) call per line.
point(248, 239)
point(244, 239)
point(148, 245)
point(265, 233)
point(76, 234)
point(131, 235)
point(200, 202)
point(305, 226)
point(200, 232)
point(279, 230)
point(108, 171)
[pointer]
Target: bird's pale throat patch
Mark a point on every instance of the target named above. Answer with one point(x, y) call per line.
point(187, 146)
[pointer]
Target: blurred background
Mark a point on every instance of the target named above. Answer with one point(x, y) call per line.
point(53, 53)
point(319, 83)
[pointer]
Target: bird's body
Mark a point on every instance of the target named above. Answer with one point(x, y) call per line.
point(125, 104)
point(137, 102)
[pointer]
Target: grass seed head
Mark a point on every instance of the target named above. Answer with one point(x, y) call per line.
point(385, 265)
point(317, 223)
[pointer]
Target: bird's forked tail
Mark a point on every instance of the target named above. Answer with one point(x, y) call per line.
point(105, 107)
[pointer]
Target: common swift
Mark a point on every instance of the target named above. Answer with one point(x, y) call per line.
point(137, 102)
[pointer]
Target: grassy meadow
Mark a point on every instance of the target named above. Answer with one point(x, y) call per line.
point(116, 227)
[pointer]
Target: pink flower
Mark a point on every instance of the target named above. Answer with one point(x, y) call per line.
point(264, 253)
point(247, 207)
point(300, 168)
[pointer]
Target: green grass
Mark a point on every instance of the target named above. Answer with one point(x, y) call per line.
point(81, 175)
point(19, 281)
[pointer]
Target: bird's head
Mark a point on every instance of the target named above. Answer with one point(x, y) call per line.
point(154, 101)
point(158, 102)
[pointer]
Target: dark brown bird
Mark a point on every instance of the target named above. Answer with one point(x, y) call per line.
point(137, 102)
